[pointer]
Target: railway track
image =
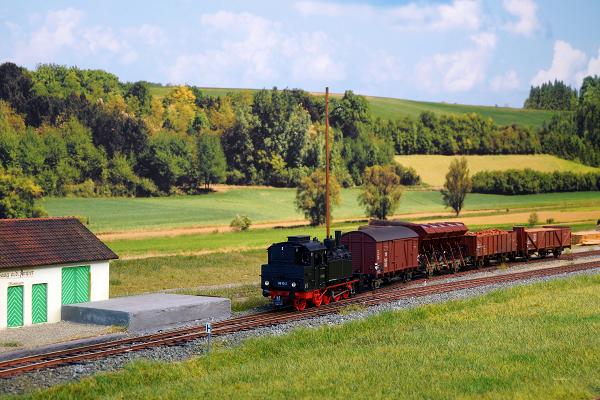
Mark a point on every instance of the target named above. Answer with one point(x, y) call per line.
point(14, 367)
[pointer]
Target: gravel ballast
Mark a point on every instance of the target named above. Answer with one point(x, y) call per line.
point(50, 377)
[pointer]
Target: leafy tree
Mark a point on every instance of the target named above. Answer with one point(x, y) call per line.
point(349, 112)
point(180, 108)
point(381, 191)
point(212, 166)
point(458, 184)
point(18, 195)
point(167, 161)
point(310, 196)
point(15, 86)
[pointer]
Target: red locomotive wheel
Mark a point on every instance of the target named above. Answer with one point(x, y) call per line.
point(346, 294)
point(326, 299)
point(299, 304)
point(317, 300)
point(337, 298)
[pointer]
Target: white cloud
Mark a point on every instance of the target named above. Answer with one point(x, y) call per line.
point(383, 67)
point(260, 50)
point(567, 64)
point(57, 30)
point(593, 68)
point(460, 14)
point(64, 31)
point(505, 82)
point(526, 12)
point(459, 71)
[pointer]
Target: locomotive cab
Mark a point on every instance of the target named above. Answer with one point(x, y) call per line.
point(295, 265)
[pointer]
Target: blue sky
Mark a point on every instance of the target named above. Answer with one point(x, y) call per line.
point(474, 52)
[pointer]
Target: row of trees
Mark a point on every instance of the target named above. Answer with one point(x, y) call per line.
point(381, 191)
point(530, 182)
point(138, 144)
point(551, 96)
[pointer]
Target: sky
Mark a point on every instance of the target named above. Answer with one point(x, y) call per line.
point(456, 51)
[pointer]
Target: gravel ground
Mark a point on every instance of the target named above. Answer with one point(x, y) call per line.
point(50, 377)
point(28, 337)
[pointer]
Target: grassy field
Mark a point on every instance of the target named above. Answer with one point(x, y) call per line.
point(433, 168)
point(530, 342)
point(271, 205)
point(391, 108)
point(129, 277)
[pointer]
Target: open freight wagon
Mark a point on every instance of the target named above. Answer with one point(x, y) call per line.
point(542, 241)
point(491, 244)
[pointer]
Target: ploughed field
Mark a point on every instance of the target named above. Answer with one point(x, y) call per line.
point(433, 168)
point(276, 205)
point(533, 341)
point(392, 109)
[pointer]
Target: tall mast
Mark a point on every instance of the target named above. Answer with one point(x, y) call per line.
point(327, 221)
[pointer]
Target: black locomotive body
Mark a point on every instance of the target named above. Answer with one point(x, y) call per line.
point(301, 270)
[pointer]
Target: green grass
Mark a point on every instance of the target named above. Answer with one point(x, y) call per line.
point(128, 277)
point(226, 241)
point(392, 109)
point(433, 168)
point(532, 342)
point(263, 205)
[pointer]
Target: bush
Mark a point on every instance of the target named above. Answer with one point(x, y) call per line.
point(408, 175)
point(528, 181)
point(85, 189)
point(550, 220)
point(533, 219)
point(240, 223)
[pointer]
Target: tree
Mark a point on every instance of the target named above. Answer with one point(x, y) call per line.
point(458, 184)
point(211, 162)
point(310, 196)
point(381, 191)
point(18, 195)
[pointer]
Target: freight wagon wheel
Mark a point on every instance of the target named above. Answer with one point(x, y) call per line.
point(326, 298)
point(317, 300)
point(299, 304)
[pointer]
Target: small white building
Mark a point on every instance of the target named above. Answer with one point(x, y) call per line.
point(48, 262)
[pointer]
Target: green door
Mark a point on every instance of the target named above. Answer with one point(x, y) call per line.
point(15, 306)
point(39, 303)
point(75, 285)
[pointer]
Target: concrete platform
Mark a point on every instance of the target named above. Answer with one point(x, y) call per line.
point(149, 312)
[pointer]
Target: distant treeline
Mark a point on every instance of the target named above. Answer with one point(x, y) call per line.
point(83, 132)
point(551, 96)
point(530, 182)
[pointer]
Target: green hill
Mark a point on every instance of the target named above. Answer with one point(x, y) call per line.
point(390, 108)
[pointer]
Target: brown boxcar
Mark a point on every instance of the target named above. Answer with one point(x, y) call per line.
point(490, 244)
point(382, 251)
point(549, 239)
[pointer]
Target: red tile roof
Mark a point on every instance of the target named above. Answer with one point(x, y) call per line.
point(48, 241)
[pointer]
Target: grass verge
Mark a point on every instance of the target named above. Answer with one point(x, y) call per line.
point(128, 277)
point(531, 342)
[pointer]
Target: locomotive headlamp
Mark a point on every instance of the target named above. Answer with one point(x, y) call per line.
point(266, 283)
point(293, 284)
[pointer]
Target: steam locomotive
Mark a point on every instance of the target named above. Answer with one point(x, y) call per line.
point(303, 272)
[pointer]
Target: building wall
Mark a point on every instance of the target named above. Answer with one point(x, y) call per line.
point(52, 276)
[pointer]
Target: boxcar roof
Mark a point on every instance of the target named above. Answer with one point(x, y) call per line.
point(385, 233)
point(48, 241)
point(431, 230)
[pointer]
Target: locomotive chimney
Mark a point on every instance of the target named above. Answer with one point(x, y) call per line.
point(338, 237)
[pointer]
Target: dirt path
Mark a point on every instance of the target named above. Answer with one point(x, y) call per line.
point(498, 217)
point(192, 230)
